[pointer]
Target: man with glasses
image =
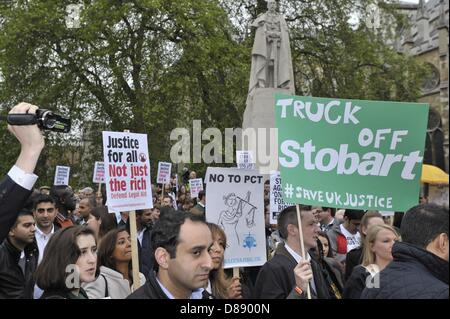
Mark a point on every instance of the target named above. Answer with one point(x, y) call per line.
point(345, 236)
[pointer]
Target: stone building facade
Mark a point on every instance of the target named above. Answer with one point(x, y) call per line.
point(427, 40)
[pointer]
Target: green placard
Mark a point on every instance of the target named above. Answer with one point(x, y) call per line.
point(350, 153)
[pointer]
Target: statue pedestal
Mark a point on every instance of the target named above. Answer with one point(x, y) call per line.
point(259, 133)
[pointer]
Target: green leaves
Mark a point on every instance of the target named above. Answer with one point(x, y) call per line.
point(153, 65)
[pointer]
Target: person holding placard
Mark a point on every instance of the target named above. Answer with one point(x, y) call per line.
point(219, 285)
point(114, 257)
point(287, 274)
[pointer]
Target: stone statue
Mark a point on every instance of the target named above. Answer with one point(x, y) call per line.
point(271, 53)
point(271, 73)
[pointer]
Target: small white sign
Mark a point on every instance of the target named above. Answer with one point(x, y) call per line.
point(244, 160)
point(387, 213)
point(277, 203)
point(164, 171)
point(62, 175)
point(99, 173)
point(127, 171)
point(195, 186)
point(235, 202)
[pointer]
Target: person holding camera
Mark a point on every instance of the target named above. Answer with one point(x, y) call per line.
point(16, 186)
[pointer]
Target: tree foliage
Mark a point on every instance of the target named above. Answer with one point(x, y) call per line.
point(153, 65)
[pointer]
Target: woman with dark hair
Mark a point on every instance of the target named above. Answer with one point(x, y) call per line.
point(70, 259)
point(114, 258)
point(332, 269)
point(101, 222)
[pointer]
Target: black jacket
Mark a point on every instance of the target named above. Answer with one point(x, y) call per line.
point(356, 283)
point(12, 200)
point(64, 294)
point(413, 274)
point(14, 283)
point(276, 278)
point(152, 290)
point(353, 259)
point(145, 250)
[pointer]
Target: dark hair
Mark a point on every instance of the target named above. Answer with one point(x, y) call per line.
point(423, 223)
point(91, 200)
point(60, 194)
point(43, 199)
point(109, 221)
point(330, 251)
point(201, 194)
point(22, 212)
point(29, 203)
point(62, 250)
point(106, 249)
point(166, 231)
point(166, 210)
point(289, 216)
point(332, 210)
point(168, 196)
point(398, 217)
point(356, 214)
point(58, 191)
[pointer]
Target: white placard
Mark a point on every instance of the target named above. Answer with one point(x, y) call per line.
point(386, 213)
point(99, 173)
point(277, 203)
point(127, 171)
point(244, 160)
point(195, 186)
point(164, 171)
point(62, 174)
point(235, 202)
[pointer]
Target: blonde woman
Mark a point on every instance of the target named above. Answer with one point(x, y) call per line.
point(377, 254)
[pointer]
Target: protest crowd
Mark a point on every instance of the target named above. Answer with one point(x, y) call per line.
point(63, 243)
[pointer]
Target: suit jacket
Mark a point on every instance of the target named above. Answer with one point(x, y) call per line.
point(145, 250)
point(276, 278)
point(12, 200)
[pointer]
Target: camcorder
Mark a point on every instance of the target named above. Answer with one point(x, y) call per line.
point(45, 120)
